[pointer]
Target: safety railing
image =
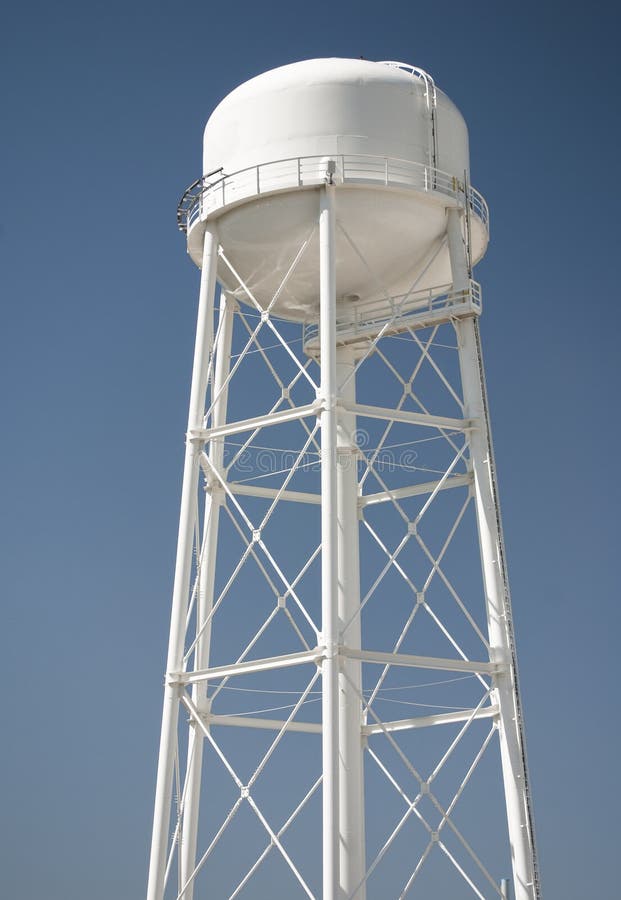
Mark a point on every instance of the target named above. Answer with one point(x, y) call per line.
point(425, 77)
point(219, 190)
point(390, 315)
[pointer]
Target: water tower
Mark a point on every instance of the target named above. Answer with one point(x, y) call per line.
point(341, 715)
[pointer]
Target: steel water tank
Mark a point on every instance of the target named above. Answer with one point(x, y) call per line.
point(393, 143)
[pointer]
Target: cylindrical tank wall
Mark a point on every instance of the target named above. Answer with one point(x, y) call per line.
point(325, 107)
point(365, 116)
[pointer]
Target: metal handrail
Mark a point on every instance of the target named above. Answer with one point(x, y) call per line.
point(425, 77)
point(357, 317)
point(431, 101)
point(206, 194)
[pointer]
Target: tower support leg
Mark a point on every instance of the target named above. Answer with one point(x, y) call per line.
point(351, 773)
point(183, 566)
point(205, 593)
point(495, 583)
point(329, 553)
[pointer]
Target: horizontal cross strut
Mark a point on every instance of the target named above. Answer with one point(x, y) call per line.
point(446, 718)
point(251, 490)
point(265, 724)
point(409, 418)
point(274, 418)
point(416, 490)
point(422, 662)
point(247, 668)
point(317, 654)
point(310, 409)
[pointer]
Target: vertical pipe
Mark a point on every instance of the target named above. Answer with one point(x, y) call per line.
point(213, 502)
point(329, 666)
point(494, 582)
point(183, 565)
point(351, 772)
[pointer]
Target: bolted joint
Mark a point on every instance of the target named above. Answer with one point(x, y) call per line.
point(214, 488)
point(173, 681)
point(502, 657)
point(329, 402)
point(196, 437)
point(244, 792)
point(332, 650)
point(328, 650)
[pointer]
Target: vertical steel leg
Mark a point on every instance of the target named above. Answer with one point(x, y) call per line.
point(183, 566)
point(329, 555)
point(213, 501)
point(351, 774)
point(495, 585)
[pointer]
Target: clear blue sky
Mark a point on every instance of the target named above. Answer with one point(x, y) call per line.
point(102, 115)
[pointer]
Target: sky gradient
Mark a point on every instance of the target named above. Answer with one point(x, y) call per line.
point(102, 113)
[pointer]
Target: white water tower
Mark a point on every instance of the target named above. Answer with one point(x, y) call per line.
point(341, 714)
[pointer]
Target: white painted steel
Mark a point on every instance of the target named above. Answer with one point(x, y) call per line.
point(498, 602)
point(170, 715)
point(417, 309)
point(323, 107)
point(449, 718)
point(287, 415)
point(351, 773)
point(248, 668)
point(413, 418)
point(206, 578)
point(304, 226)
point(401, 151)
point(263, 724)
point(410, 660)
point(329, 553)
point(415, 490)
